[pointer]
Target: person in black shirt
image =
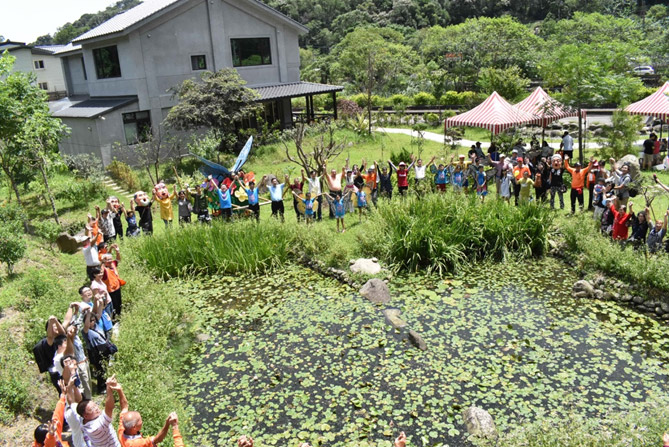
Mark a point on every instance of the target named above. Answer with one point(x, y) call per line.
point(45, 349)
point(648, 149)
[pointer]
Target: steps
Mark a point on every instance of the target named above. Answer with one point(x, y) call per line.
point(120, 192)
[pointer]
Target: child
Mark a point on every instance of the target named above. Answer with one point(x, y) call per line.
point(339, 205)
point(308, 206)
point(458, 178)
point(598, 198)
point(525, 187)
point(185, 208)
point(505, 184)
point(200, 203)
point(133, 229)
point(441, 176)
point(481, 184)
point(362, 202)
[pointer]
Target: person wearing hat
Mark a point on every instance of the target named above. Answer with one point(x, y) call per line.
point(577, 182)
point(402, 172)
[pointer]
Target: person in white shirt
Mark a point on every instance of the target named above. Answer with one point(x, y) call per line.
point(420, 169)
point(96, 423)
point(567, 145)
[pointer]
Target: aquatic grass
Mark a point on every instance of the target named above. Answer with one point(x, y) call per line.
point(594, 251)
point(221, 248)
point(442, 232)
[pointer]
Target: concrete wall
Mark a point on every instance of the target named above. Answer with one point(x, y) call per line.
point(52, 73)
point(24, 61)
point(73, 66)
point(83, 138)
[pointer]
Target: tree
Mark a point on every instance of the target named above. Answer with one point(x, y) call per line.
point(29, 136)
point(508, 82)
point(586, 74)
point(374, 62)
point(314, 146)
point(220, 101)
point(12, 247)
point(620, 139)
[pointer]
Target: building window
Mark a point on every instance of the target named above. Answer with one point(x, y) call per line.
point(106, 62)
point(198, 62)
point(43, 85)
point(83, 67)
point(249, 52)
point(137, 127)
point(39, 65)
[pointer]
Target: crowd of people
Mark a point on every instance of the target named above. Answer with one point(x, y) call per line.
point(76, 350)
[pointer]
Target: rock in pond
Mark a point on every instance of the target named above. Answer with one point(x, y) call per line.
point(417, 340)
point(366, 266)
point(583, 289)
point(376, 291)
point(393, 317)
point(479, 423)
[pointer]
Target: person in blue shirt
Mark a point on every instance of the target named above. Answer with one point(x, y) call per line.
point(276, 192)
point(224, 198)
point(362, 202)
point(308, 206)
point(442, 175)
point(339, 207)
point(252, 193)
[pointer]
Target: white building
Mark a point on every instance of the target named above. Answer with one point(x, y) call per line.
point(41, 61)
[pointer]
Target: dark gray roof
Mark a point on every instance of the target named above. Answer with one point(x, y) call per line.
point(143, 11)
point(294, 89)
point(93, 107)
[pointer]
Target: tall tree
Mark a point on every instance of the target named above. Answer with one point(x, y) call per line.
point(29, 136)
point(221, 101)
point(374, 61)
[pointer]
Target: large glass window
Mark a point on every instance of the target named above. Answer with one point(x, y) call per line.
point(106, 62)
point(137, 127)
point(249, 52)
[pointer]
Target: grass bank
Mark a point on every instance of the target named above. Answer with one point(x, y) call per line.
point(443, 232)
point(596, 252)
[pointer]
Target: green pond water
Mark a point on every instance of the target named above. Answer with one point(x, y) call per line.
point(293, 356)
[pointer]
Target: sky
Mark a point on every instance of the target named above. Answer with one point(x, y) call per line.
point(25, 20)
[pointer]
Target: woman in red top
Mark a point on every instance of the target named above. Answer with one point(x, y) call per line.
point(620, 218)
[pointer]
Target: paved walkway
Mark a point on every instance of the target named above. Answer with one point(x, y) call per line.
point(467, 143)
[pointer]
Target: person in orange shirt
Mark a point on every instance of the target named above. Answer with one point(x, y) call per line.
point(110, 278)
point(130, 425)
point(49, 435)
point(518, 171)
point(577, 182)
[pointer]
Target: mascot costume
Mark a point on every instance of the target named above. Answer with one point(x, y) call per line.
point(143, 210)
point(164, 199)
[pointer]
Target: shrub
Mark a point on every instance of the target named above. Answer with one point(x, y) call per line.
point(399, 101)
point(84, 165)
point(47, 230)
point(468, 99)
point(12, 216)
point(347, 108)
point(437, 232)
point(432, 119)
point(360, 99)
point(82, 192)
point(451, 98)
point(12, 247)
point(124, 174)
point(423, 99)
point(403, 155)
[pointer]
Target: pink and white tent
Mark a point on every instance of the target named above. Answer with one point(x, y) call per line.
point(494, 114)
point(655, 105)
point(547, 109)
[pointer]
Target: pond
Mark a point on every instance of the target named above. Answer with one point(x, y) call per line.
point(294, 356)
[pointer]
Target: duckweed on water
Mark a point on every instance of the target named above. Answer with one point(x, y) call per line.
point(295, 357)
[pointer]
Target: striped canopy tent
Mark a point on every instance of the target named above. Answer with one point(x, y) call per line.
point(494, 114)
point(547, 109)
point(655, 105)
